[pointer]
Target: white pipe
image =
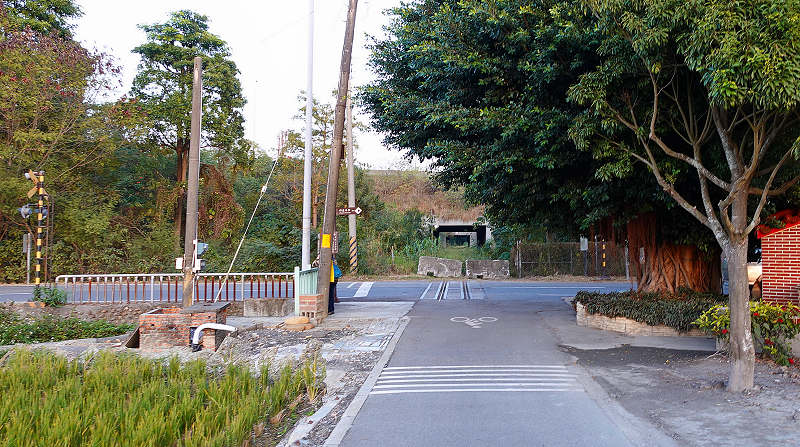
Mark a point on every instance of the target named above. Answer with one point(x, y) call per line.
point(216, 326)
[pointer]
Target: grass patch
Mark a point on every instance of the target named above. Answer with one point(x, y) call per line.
point(117, 399)
point(15, 329)
point(678, 310)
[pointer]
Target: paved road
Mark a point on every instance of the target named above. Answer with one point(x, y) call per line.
point(485, 372)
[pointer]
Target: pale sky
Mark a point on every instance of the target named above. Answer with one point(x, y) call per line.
point(268, 41)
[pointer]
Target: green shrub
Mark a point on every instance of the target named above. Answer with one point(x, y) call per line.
point(14, 329)
point(50, 296)
point(678, 310)
point(123, 400)
point(774, 326)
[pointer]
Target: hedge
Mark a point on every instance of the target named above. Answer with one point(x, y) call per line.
point(678, 310)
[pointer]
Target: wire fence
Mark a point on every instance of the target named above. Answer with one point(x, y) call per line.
point(600, 259)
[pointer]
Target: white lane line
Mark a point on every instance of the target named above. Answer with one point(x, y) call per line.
point(363, 290)
point(446, 289)
point(481, 375)
point(473, 390)
point(515, 379)
point(422, 297)
point(473, 366)
point(441, 385)
point(351, 285)
point(461, 289)
point(497, 371)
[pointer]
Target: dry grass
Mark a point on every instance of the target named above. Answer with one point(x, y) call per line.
point(408, 190)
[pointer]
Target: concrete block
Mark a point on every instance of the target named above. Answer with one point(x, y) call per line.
point(486, 269)
point(268, 307)
point(439, 267)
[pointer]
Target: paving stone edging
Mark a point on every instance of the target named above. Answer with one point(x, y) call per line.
point(628, 326)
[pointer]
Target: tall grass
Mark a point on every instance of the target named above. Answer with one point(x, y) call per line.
point(123, 400)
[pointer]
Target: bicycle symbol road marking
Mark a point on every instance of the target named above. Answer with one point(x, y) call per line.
point(474, 323)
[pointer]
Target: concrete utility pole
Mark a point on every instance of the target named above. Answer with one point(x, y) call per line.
point(308, 153)
point(329, 220)
point(351, 189)
point(193, 180)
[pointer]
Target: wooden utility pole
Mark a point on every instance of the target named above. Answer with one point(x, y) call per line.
point(193, 180)
point(351, 189)
point(329, 219)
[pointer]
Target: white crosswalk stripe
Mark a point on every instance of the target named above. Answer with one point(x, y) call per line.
point(476, 378)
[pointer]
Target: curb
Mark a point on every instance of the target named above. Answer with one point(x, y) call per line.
point(349, 415)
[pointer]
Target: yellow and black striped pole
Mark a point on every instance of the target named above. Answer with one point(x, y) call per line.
point(39, 226)
point(353, 255)
point(604, 271)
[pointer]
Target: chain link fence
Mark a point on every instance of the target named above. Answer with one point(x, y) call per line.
point(570, 258)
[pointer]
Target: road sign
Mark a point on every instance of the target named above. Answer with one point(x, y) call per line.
point(348, 211)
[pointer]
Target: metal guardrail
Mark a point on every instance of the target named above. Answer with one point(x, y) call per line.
point(168, 287)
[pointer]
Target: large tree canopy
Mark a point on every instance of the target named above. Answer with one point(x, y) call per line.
point(712, 86)
point(481, 89)
point(163, 86)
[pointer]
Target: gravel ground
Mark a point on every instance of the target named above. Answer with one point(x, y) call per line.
point(682, 394)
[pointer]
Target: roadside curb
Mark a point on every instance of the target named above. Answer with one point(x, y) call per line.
point(349, 415)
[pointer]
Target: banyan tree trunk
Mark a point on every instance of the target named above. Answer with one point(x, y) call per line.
point(665, 266)
point(668, 267)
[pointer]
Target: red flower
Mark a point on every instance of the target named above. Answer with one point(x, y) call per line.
point(780, 320)
point(791, 361)
point(724, 331)
point(767, 341)
point(755, 314)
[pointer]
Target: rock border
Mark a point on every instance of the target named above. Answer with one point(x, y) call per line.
point(628, 326)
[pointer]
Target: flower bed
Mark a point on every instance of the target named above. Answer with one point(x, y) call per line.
point(774, 327)
point(677, 311)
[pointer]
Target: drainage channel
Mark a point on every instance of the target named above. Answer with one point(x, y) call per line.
point(453, 290)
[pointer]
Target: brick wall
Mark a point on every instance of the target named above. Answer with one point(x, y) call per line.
point(313, 306)
point(167, 327)
point(780, 261)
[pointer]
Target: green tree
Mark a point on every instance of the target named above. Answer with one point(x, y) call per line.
point(481, 89)
point(711, 86)
point(42, 16)
point(163, 85)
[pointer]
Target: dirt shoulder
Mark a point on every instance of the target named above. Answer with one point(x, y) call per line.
point(682, 394)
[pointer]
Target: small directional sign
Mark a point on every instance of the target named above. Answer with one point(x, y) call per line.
point(347, 211)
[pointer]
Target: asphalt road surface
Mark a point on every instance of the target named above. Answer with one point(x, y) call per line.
point(483, 371)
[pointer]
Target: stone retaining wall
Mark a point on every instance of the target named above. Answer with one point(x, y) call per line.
point(117, 313)
point(628, 326)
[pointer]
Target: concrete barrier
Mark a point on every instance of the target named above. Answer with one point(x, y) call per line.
point(487, 269)
point(439, 267)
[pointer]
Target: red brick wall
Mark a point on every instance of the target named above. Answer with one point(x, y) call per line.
point(780, 261)
point(313, 306)
point(166, 327)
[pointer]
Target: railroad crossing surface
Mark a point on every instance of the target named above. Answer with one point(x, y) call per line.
point(478, 364)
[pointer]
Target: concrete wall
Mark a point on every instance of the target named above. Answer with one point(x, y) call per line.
point(486, 269)
point(268, 307)
point(439, 267)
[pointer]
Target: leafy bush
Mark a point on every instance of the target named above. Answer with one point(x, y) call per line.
point(678, 311)
point(135, 401)
point(14, 329)
point(52, 297)
point(774, 326)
